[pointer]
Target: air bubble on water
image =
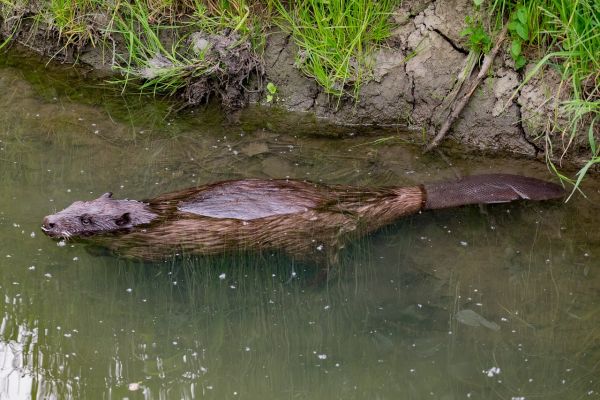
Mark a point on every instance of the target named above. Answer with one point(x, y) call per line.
point(492, 371)
point(247, 348)
point(32, 234)
point(32, 268)
point(62, 243)
point(320, 247)
point(48, 275)
point(222, 276)
point(75, 258)
point(322, 356)
point(129, 290)
point(463, 243)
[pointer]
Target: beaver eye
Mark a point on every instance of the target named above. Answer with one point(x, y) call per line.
point(86, 220)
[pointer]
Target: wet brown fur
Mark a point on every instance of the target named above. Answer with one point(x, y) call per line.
point(340, 212)
point(304, 219)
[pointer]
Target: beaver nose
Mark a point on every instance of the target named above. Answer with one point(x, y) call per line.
point(47, 224)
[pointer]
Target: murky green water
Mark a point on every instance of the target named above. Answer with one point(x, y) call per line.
point(501, 302)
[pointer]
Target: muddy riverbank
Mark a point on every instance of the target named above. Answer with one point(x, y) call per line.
point(415, 78)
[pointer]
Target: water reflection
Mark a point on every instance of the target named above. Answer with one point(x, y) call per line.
point(403, 316)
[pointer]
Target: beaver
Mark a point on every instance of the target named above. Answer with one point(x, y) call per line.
point(303, 219)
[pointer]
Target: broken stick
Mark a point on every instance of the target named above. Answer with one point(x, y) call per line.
point(458, 106)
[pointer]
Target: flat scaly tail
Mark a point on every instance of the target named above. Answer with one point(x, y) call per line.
point(489, 189)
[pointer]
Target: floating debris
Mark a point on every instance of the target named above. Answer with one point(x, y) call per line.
point(492, 372)
point(471, 318)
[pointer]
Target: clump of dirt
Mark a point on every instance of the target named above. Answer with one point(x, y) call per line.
point(213, 64)
point(232, 63)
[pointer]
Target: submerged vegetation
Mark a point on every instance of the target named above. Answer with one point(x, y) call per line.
point(197, 48)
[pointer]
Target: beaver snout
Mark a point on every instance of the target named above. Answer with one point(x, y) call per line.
point(48, 226)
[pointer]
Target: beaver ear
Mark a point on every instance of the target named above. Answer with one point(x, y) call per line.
point(123, 220)
point(106, 195)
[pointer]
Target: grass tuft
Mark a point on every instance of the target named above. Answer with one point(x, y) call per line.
point(163, 57)
point(569, 33)
point(337, 39)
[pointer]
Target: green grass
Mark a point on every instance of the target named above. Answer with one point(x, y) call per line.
point(159, 57)
point(568, 31)
point(160, 68)
point(337, 39)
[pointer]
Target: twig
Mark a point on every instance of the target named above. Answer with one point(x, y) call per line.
point(459, 105)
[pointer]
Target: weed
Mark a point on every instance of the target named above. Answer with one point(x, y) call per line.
point(479, 40)
point(568, 32)
point(271, 89)
point(519, 34)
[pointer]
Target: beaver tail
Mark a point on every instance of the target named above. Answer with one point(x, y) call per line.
point(488, 189)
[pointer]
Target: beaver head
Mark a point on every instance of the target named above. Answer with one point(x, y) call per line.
point(102, 215)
